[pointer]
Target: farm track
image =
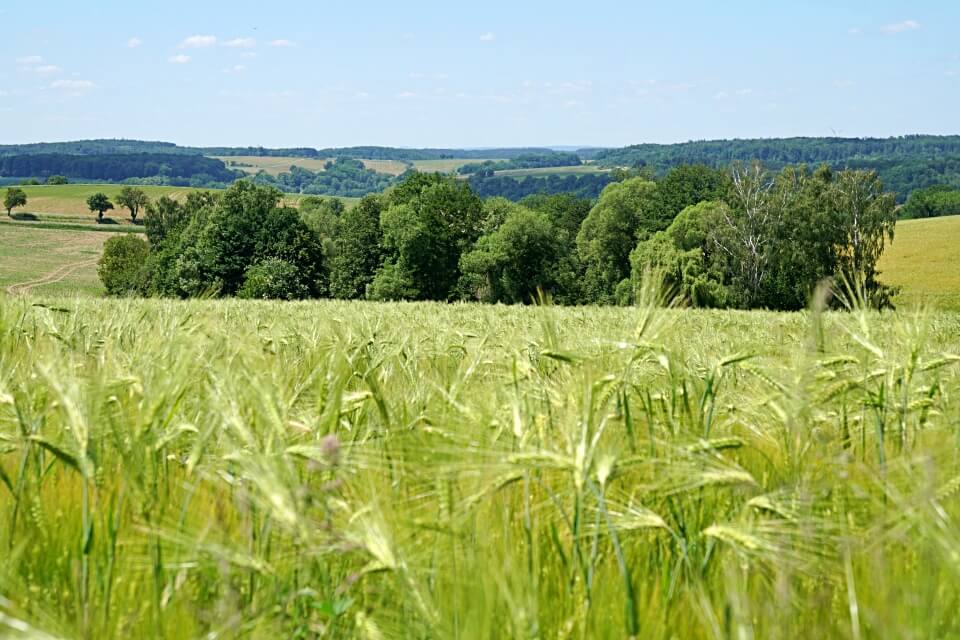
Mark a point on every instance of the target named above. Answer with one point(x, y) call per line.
point(54, 276)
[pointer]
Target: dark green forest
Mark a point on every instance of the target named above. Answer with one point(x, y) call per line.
point(162, 168)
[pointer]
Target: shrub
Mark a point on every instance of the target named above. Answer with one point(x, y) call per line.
point(274, 279)
point(121, 266)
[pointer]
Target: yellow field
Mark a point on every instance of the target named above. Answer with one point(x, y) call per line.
point(443, 166)
point(281, 164)
point(68, 203)
point(924, 260)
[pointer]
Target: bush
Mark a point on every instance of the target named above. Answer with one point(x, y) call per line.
point(273, 279)
point(121, 266)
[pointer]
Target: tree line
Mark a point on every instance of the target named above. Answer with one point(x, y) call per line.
point(180, 170)
point(742, 237)
point(522, 161)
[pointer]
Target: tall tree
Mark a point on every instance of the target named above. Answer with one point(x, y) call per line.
point(15, 198)
point(99, 203)
point(358, 250)
point(133, 199)
point(625, 212)
point(431, 220)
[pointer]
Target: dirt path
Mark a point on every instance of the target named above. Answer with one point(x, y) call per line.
point(56, 275)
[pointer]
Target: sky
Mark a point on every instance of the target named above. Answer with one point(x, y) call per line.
point(475, 74)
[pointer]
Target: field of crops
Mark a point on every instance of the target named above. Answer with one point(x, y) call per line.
point(923, 262)
point(68, 203)
point(224, 469)
point(50, 261)
point(275, 165)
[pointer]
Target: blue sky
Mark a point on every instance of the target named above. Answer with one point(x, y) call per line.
point(490, 73)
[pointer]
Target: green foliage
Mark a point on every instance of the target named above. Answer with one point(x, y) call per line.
point(514, 261)
point(343, 177)
point(121, 267)
point(775, 239)
point(99, 203)
point(935, 201)
point(358, 250)
point(274, 279)
point(133, 199)
point(340, 470)
point(14, 198)
point(430, 220)
point(626, 210)
point(57, 180)
point(523, 161)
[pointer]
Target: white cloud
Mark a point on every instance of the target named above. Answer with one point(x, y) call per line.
point(241, 43)
point(722, 95)
point(72, 85)
point(406, 95)
point(488, 37)
point(198, 42)
point(950, 74)
point(282, 42)
point(744, 92)
point(237, 68)
point(178, 59)
point(855, 31)
point(134, 42)
point(47, 69)
point(30, 60)
point(361, 94)
point(248, 54)
point(843, 84)
point(900, 27)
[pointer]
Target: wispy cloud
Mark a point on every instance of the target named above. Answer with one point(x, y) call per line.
point(30, 60)
point(178, 59)
point(237, 68)
point(241, 43)
point(488, 37)
point(198, 42)
point(842, 84)
point(406, 95)
point(855, 31)
point(900, 27)
point(72, 85)
point(47, 69)
point(283, 42)
point(134, 42)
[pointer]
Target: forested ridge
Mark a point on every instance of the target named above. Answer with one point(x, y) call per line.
point(905, 164)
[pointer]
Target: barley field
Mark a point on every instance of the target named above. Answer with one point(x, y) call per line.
point(348, 470)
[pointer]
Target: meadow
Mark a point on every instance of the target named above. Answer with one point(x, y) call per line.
point(67, 204)
point(922, 261)
point(275, 165)
point(339, 470)
point(61, 262)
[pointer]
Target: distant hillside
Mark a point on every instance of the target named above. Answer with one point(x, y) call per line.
point(121, 146)
point(165, 167)
point(779, 151)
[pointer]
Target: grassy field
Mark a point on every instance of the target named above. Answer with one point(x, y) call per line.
point(449, 165)
point(277, 165)
point(349, 470)
point(68, 203)
point(581, 170)
point(924, 260)
point(50, 261)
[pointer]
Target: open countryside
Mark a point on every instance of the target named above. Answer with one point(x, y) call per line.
point(315, 323)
